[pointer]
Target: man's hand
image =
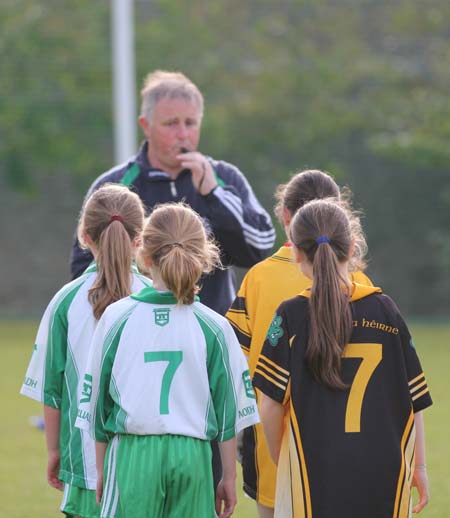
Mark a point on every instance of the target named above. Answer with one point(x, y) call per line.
point(203, 176)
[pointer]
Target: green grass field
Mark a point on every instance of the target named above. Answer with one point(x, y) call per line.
point(23, 488)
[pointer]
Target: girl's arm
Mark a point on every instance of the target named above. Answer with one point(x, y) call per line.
point(420, 478)
point(52, 420)
point(226, 489)
point(100, 450)
point(272, 416)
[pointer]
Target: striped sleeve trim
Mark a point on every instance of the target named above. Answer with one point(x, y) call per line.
point(418, 387)
point(271, 372)
point(238, 306)
point(244, 339)
point(260, 239)
point(238, 317)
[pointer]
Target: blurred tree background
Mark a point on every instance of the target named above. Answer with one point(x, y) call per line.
point(357, 87)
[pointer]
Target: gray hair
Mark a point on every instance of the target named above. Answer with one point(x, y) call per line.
point(172, 85)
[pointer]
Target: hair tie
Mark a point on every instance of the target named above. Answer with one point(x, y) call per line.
point(322, 239)
point(116, 217)
point(178, 245)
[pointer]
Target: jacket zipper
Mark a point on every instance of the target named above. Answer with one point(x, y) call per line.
point(173, 189)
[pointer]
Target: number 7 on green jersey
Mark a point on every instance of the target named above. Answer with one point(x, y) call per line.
point(174, 358)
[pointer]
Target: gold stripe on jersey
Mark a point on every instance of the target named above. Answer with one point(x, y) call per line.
point(405, 501)
point(417, 378)
point(419, 382)
point(239, 312)
point(407, 452)
point(283, 499)
point(273, 364)
point(420, 394)
point(268, 370)
point(299, 476)
point(417, 387)
point(269, 378)
point(243, 337)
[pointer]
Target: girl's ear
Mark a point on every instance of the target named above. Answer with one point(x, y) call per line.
point(87, 239)
point(137, 242)
point(351, 251)
point(299, 255)
point(286, 215)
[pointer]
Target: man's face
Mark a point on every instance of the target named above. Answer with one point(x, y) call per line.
point(175, 124)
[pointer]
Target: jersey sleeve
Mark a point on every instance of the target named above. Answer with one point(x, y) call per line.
point(96, 404)
point(418, 387)
point(239, 318)
point(233, 402)
point(272, 372)
point(246, 408)
point(417, 384)
point(45, 374)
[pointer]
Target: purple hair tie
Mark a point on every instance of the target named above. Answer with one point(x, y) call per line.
point(322, 239)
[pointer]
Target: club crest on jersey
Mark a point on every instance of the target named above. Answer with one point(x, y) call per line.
point(247, 380)
point(161, 316)
point(87, 389)
point(275, 332)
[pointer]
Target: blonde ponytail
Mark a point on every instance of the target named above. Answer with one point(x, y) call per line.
point(175, 240)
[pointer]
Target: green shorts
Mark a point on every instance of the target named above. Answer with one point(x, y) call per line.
point(157, 476)
point(79, 502)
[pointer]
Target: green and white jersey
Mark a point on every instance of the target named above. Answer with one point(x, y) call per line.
point(55, 373)
point(158, 367)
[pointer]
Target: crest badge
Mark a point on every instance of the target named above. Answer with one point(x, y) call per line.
point(161, 316)
point(248, 384)
point(275, 331)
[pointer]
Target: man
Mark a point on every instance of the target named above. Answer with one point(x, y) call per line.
point(168, 167)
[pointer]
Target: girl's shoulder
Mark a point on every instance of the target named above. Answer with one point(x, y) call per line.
point(65, 295)
point(295, 304)
point(205, 313)
point(119, 310)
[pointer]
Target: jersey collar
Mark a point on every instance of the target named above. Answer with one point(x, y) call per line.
point(151, 296)
point(359, 291)
point(93, 268)
point(284, 252)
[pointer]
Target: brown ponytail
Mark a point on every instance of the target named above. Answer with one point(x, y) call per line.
point(112, 217)
point(175, 241)
point(324, 230)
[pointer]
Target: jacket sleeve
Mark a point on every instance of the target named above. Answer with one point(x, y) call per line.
point(239, 222)
point(79, 258)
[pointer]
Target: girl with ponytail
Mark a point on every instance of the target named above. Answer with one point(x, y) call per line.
point(167, 376)
point(342, 386)
point(110, 226)
point(263, 289)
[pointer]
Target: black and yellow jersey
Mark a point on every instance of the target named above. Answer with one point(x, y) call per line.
point(345, 453)
point(263, 289)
